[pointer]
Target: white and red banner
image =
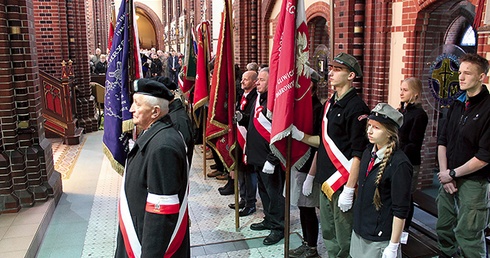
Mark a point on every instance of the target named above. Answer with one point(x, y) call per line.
point(289, 83)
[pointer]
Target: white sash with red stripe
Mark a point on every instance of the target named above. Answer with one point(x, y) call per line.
point(262, 124)
point(131, 242)
point(182, 222)
point(242, 140)
point(128, 230)
point(341, 163)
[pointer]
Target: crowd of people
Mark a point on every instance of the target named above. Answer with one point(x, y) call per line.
point(154, 63)
point(361, 175)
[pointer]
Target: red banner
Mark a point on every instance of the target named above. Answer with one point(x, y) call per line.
point(289, 83)
point(220, 131)
point(202, 69)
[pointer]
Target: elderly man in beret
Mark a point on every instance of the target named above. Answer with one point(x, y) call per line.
point(153, 215)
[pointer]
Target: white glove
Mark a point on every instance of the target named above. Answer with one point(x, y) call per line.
point(268, 168)
point(308, 185)
point(391, 250)
point(297, 134)
point(346, 198)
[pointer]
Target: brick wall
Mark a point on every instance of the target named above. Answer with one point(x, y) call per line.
point(76, 37)
point(26, 161)
point(245, 21)
point(51, 39)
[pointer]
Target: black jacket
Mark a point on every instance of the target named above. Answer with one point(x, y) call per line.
point(258, 151)
point(466, 133)
point(347, 128)
point(246, 112)
point(156, 164)
point(394, 190)
point(411, 133)
point(183, 124)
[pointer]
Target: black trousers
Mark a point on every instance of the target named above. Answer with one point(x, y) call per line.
point(247, 178)
point(270, 190)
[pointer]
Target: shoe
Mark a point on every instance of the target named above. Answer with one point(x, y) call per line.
point(209, 155)
point(274, 237)
point(246, 211)
point(298, 252)
point(214, 166)
point(223, 176)
point(230, 183)
point(214, 173)
point(241, 205)
point(310, 252)
point(227, 191)
point(259, 226)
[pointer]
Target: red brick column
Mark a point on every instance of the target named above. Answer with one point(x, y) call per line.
point(78, 53)
point(25, 154)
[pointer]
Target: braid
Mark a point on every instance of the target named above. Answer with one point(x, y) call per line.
point(389, 151)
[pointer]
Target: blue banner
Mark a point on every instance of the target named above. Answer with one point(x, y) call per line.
point(117, 118)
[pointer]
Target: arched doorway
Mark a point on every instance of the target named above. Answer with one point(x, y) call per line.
point(146, 31)
point(318, 30)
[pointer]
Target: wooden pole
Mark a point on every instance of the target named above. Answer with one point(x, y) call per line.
point(287, 201)
point(235, 182)
point(204, 151)
point(332, 30)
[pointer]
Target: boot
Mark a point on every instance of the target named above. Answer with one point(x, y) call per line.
point(310, 252)
point(230, 182)
point(228, 189)
point(298, 251)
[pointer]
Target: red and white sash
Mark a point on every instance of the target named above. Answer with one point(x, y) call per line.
point(262, 124)
point(128, 230)
point(182, 222)
point(341, 163)
point(131, 242)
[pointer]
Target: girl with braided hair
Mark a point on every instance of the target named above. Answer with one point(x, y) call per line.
point(383, 199)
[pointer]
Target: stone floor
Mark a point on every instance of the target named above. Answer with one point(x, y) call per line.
point(84, 223)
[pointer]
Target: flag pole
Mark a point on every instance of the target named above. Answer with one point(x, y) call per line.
point(235, 183)
point(332, 31)
point(204, 150)
point(287, 201)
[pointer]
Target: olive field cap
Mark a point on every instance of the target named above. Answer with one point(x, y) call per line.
point(349, 61)
point(386, 114)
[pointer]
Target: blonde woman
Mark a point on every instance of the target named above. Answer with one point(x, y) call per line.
point(383, 199)
point(412, 131)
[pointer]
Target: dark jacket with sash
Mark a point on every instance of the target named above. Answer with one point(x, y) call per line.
point(258, 150)
point(156, 167)
point(347, 128)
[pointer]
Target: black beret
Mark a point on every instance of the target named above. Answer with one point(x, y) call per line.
point(171, 85)
point(152, 88)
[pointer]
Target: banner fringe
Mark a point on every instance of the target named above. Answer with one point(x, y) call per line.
point(114, 164)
